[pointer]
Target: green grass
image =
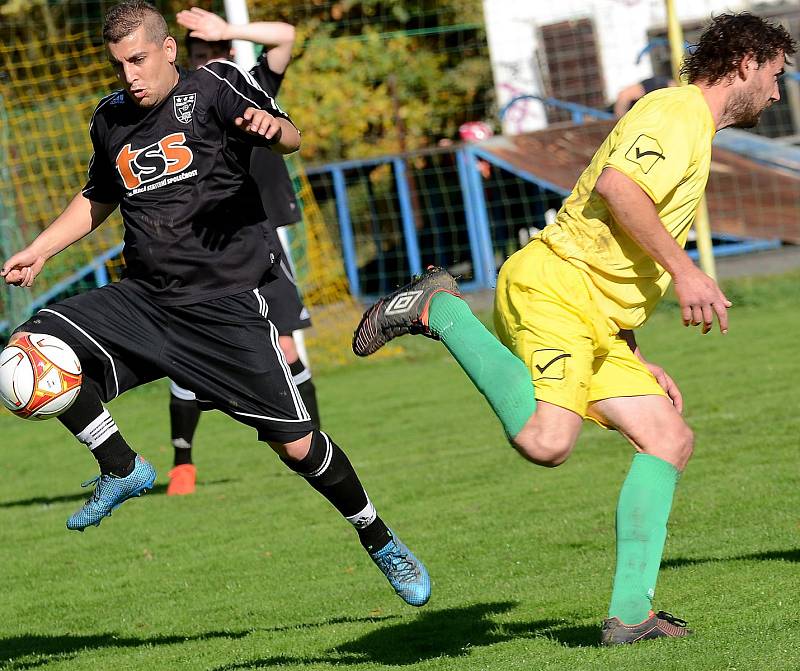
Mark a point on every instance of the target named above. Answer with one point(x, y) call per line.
point(256, 571)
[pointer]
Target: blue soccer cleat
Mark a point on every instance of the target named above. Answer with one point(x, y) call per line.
point(110, 493)
point(406, 574)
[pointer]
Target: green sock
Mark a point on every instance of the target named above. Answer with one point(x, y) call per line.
point(642, 513)
point(497, 373)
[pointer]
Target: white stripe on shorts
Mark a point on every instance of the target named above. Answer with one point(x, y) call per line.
point(300, 407)
point(97, 344)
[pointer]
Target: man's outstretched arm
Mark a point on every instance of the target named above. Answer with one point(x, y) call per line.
point(699, 296)
point(277, 36)
point(79, 218)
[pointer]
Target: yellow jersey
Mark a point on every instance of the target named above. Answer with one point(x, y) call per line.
point(664, 145)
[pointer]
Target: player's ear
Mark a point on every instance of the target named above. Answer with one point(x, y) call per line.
point(171, 49)
point(746, 67)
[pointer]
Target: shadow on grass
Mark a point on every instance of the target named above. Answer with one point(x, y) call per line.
point(327, 623)
point(32, 650)
point(769, 555)
point(84, 494)
point(450, 633)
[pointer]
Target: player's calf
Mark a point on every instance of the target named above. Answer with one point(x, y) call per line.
point(328, 470)
point(123, 474)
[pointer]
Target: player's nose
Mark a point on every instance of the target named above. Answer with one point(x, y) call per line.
point(776, 94)
point(128, 73)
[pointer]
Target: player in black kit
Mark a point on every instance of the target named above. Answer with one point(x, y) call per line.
point(209, 39)
point(196, 249)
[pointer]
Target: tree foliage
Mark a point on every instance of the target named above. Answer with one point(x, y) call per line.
point(368, 76)
point(375, 77)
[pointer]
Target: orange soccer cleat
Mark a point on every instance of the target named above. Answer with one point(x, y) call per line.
point(181, 480)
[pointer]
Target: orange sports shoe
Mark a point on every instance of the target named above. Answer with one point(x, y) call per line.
point(181, 480)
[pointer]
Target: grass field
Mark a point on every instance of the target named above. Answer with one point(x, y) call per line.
point(256, 571)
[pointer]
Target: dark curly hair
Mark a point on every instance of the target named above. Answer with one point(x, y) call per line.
point(728, 39)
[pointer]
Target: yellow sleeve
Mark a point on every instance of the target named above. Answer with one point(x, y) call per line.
point(655, 146)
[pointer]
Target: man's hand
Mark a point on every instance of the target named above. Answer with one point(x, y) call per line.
point(667, 384)
point(203, 25)
point(700, 299)
point(22, 268)
point(260, 122)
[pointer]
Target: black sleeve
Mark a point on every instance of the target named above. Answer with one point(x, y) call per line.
point(267, 79)
point(100, 186)
point(236, 91)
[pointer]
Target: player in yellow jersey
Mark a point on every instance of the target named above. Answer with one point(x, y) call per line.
point(567, 304)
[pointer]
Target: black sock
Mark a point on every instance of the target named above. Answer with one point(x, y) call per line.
point(183, 416)
point(92, 424)
point(329, 471)
point(374, 536)
point(114, 456)
point(305, 385)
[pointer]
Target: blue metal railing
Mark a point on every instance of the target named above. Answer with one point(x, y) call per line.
point(96, 267)
point(472, 198)
point(578, 112)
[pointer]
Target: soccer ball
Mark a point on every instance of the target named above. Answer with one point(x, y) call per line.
point(40, 376)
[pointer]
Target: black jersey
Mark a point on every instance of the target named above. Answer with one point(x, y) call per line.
point(268, 168)
point(194, 221)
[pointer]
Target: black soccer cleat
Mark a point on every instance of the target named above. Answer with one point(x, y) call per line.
point(402, 311)
point(658, 625)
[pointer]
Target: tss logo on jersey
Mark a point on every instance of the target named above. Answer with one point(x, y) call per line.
point(168, 156)
point(184, 106)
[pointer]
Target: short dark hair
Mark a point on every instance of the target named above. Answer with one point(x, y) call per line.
point(728, 39)
point(220, 46)
point(126, 17)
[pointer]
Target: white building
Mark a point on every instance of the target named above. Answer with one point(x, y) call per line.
point(588, 50)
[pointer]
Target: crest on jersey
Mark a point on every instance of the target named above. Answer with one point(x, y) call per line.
point(184, 106)
point(646, 152)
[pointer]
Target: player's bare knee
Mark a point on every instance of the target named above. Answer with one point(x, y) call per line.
point(675, 446)
point(294, 450)
point(549, 451)
point(684, 444)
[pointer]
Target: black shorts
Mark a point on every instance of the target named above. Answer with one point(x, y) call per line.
point(225, 349)
point(286, 309)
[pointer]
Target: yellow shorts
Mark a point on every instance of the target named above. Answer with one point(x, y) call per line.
point(544, 313)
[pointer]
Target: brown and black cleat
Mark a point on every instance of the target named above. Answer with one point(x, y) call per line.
point(402, 311)
point(658, 625)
